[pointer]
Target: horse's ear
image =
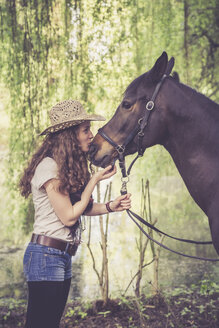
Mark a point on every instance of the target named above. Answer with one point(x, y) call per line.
point(170, 66)
point(159, 68)
point(175, 76)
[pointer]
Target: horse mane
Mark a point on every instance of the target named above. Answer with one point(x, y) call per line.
point(209, 107)
point(196, 93)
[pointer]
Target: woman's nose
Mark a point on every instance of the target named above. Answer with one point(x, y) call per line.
point(91, 135)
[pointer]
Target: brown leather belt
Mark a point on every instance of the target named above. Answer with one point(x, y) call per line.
point(54, 243)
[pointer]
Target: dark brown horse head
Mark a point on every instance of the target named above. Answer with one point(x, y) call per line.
point(129, 114)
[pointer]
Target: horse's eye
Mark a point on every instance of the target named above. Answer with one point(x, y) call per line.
point(126, 104)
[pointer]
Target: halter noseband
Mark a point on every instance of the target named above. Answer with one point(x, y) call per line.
point(139, 130)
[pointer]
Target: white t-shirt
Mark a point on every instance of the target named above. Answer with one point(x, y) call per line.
point(46, 221)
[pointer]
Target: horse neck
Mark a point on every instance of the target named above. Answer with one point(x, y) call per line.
point(192, 131)
point(189, 117)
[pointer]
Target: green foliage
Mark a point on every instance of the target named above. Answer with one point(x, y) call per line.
point(195, 304)
point(78, 312)
point(12, 305)
point(205, 287)
point(208, 287)
point(104, 313)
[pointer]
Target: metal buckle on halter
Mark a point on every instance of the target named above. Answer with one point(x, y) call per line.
point(150, 105)
point(141, 134)
point(140, 120)
point(120, 149)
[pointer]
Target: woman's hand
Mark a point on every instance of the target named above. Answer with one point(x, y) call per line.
point(121, 203)
point(106, 173)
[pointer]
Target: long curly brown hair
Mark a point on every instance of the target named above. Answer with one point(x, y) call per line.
point(63, 147)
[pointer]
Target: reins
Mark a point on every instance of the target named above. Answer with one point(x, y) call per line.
point(165, 247)
point(139, 131)
point(133, 216)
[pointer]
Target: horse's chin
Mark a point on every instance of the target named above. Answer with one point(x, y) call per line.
point(105, 161)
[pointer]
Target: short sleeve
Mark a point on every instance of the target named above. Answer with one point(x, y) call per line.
point(47, 169)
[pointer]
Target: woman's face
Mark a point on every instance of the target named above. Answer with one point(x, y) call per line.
point(84, 136)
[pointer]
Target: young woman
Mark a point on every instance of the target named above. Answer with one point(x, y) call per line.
point(61, 187)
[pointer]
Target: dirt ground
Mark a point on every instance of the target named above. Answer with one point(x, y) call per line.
point(184, 310)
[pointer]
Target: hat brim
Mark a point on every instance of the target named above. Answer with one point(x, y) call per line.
point(64, 125)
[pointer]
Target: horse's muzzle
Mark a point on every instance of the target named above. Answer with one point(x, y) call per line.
point(101, 161)
point(92, 150)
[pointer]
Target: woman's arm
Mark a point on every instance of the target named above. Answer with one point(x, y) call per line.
point(61, 203)
point(121, 203)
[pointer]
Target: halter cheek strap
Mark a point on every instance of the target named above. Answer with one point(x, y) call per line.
point(120, 148)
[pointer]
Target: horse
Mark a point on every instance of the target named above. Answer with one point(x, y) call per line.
point(182, 120)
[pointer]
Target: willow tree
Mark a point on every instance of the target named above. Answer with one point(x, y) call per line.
point(203, 45)
point(32, 35)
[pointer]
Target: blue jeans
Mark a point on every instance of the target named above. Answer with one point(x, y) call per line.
point(46, 263)
point(48, 272)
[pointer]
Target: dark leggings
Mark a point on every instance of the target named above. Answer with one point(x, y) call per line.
point(46, 303)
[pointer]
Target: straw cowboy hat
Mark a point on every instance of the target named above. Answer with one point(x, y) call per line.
point(68, 113)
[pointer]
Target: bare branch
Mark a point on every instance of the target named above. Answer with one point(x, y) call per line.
point(137, 273)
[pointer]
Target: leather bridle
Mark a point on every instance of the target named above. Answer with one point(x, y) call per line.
point(138, 131)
